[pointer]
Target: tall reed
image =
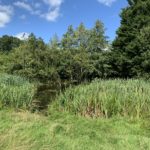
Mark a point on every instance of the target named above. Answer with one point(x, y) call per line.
point(15, 92)
point(107, 98)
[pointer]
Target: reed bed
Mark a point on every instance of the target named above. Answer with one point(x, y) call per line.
point(15, 92)
point(107, 98)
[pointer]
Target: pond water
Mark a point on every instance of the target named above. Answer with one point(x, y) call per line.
point(46, 93)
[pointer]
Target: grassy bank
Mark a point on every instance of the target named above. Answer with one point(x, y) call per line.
point(107, 98)
point(26, 131)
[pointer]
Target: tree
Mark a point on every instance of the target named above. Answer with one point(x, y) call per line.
point(127, 45)
point(144, 45)
point(132, 2)
point(8, 43)
point(32, 59)
point(54, 42)
point(78, 57)
point(34, 43)
point(97, 40)
point(68, 40)
point(81, 37)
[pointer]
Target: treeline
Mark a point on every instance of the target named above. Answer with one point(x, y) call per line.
point(84, 54)
point(81, 55)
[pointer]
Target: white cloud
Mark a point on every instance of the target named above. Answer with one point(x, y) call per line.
point(23, 5)
point(53, 3)
point(51, 15)
point(5, 15)
point(22, 35)
point(54, 9)
point(107, 2)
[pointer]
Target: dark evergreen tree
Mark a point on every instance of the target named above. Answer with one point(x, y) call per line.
point(127, 47)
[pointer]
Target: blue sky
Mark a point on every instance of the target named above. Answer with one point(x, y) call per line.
point(48, 17)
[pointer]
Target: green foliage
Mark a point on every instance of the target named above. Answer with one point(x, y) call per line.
point(68, 40)
point(107, 99)
point(97, 40)
point(74, 66)
point(4, 62)
point(70, 60)
point(15, 92)
point(82, 37)
point(33, 60)
point(54, 42)
point(132, 41)
point(8, 43)
point(86, 58)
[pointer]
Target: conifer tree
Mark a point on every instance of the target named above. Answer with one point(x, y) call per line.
point(97, 41)
point(68, 40)
point(127, 47)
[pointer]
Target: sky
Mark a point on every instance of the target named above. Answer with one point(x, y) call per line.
point(45, 18)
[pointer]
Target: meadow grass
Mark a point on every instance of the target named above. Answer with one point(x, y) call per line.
point(26, 131)
point(15, 92)
point(107, 98)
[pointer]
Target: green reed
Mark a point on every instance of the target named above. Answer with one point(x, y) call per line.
point(107, 98)
point(15, 92)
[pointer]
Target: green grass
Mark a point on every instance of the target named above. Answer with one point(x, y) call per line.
point(26, 131)
point(107, 98)
point(15, 92)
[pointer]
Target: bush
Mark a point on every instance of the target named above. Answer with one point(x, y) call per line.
point(15, 92)
point(107, 99)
